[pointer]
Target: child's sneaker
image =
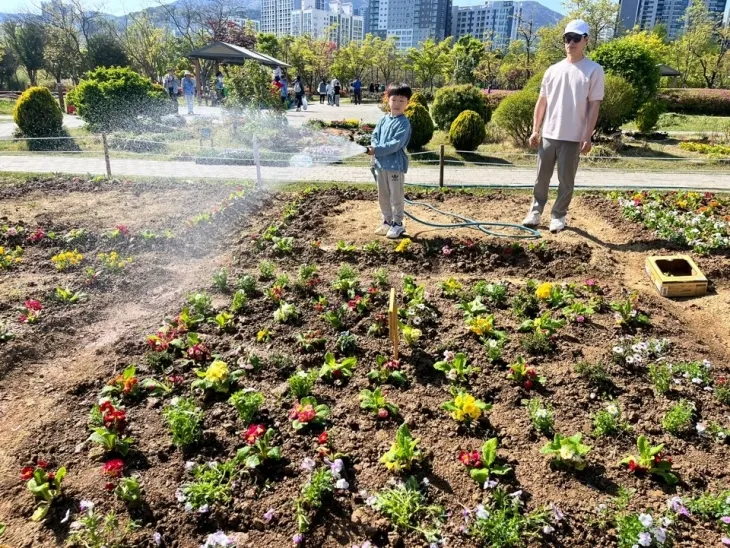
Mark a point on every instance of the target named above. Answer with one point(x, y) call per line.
point(383, 229)
point(396, 231)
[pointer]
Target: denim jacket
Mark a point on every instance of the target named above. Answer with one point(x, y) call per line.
point(389, 141)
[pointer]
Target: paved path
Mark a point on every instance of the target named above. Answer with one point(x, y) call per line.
point(454, 175)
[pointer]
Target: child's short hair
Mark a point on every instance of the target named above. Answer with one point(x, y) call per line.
point(399, 90)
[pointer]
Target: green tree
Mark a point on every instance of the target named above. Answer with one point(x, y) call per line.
point(467, 54)
point(250, 87)
point(599, 14)
point(430, 60)
point(634, 62)
point(550, 48)
point(387, 59)
point(487, 70)
point(268, 44)
point(60, 54)
point(27, 38)
point(104, 50)
point(354, 59)
point(151, 50)
point(8, 68)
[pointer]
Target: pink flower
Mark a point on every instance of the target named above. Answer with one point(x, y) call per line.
point(33, 305)
point(446, 250)
point(580, 319)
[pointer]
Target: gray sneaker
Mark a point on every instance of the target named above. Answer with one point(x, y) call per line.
point(396, 231)
point(383, 229)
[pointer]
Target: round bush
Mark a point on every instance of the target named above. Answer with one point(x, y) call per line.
point(468, 131)
point(617, 106)
point(37, 113)
point(535, 81)
point(421, 126)
point(451, 101)
point(514, 116)
point(113, 98)
point(419, 98)
point(633, 61)
point(648, 115)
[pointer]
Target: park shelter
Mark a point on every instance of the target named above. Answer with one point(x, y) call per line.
point(666, 70)
point(230, 54)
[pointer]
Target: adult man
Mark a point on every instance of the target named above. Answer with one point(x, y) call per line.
point(570, 95)
point(188, 85)
point(171, 84)
point(357, 91)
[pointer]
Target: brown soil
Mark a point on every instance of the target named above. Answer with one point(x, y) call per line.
point(51, 374)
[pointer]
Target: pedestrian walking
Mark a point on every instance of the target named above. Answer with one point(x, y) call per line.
point(330, 94)
point(284, 92)
point(219, 87)
point(298, 92)
point(171, 85)
point(566, 113)
point(322, 91)
point(357, 91)
point(336, 91)
point(188, 85)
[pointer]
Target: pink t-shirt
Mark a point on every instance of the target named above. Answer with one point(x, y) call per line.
point(568, 87)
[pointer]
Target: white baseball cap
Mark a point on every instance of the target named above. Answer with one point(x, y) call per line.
point(578, 26)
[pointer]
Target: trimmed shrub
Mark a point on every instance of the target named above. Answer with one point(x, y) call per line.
point(535, 82)
point(113, 98)
point(704, 148)
point(494, 98)
point(634, 62)
point(419, 98)
point(421, 126)
point(468, 131)
point(37, 113)
point(708, 102)
point(648, 115)
point(451, 101)
point(617, 106)
point(514, 116)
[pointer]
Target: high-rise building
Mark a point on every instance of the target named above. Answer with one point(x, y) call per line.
point(333, 20)
point(496, 21)
point(646, 14)
point(409, 21)
point(276, 16)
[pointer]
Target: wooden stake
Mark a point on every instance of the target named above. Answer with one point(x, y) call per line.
point(393, 323)
point(441, 166)
point(106, 156)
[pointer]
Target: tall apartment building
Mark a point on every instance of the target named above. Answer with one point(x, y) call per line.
point(409, 21)
point(496, 21)
point(333, 20)
point(646, 14)
point(276, 17)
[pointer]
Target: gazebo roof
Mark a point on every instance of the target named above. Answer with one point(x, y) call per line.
point(224, 52)
point(666, 70)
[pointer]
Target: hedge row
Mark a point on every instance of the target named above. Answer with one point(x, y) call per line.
point(710, 102)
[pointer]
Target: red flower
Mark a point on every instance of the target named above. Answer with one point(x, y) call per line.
point(531, 373)
point(306, 413)
point(382, 413)
point(113, 468)
point(373, 290)
point(176, 379)
point(470, 458)
point(633, 466)
point(33, 305)
point(51, 476)
point(464, 458)
point(27, 472)
point(528, 384)
point(106, 406)
point(198, 352)
point(42, 463)
point(323, 438)
point(253, 433)
point(109, 486)
point(37, 236)
point(23, 318)
point(392, 365)
point(123, 229)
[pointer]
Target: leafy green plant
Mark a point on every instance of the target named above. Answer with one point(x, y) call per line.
point(301, 383)
point(110, 441)
point(544, 324)
point(211, 484)
point(537, 343)
point(200, 303)
point(283, 246)
point(710, 506)
point(567, 451)
point(451, 287)
point(579, 312)
point(404, 452)
point(247, 284)
point(220, 280)
point(464, 407)
point(5, 333)
point(660, 376)
point(310, 341)
point(609, 421)
point(129, 491)
point(216, 377)
point(503, 523)
point(373, 248)
point(455, 367)
point(69, 296)
point(343, 247)
point(524, 375)
point(185, 421)
point(259, 449)
point(496, 293)
point(407, 508)
point(346, 343)
point(239, 301)
point(411, 335)
point(421, 126)
point(286, 313)
point(346, 283)
point(319, 486)
point(525, 304)
point(678, 420)
point(541, 416)
point(594, 373)
point(307, 411)
point(651, 461)
point(380, 278)
point(224, 321)
point(334, 318)
point(101, 530)
point(247, 402)
point(482, 467)
point(266, 270)
point(332, 369)
point(44, 486)
point(387, 370)
point(627, 315)
point(473, 309)
point(375, 402)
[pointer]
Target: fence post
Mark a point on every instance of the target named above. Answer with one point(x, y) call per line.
point(441, 166)
point(106, 156)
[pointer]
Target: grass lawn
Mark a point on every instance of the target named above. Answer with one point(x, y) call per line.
point(6, 106)
point(689, 122)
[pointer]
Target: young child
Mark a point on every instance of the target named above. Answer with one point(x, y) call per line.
point(389, 141)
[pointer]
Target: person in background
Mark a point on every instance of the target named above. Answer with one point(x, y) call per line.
point(171, 85)
point(390, 138)
point(322, 90)
point(336, 91)
point(330, 94)
point(284, 92)
point(188, 85)
point(371, 88)
point(298, 91)
point(219, 87)
point(357, 91)
point(277, 73)
point(566, 112)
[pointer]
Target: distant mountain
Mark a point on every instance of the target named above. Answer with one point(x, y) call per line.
point(541, 15)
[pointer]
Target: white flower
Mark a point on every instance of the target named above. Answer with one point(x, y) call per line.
point(660, 535)
point(425, 482)
point(308, 464)
point(707, 364)
point(481, 512)
point(618, 350)
point(157, 538)
point(697, 380)
point(86, 505)
point(213, 464)
point(629, 359)
point(189, 465)
point(342, 484)
point(448, 355)
point(416, 321)
point(700, 428)
point(180, 496)
point(490, 484)
point(541, 413)
point(613, 410)
point(666, 522)
point(371, 500)
point(188, 507)
point(452, 374)
point(646, 520)
point(204, 509)
point(548, 530)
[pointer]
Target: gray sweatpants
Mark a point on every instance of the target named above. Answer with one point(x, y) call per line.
point(567, 155)
point(391, 195)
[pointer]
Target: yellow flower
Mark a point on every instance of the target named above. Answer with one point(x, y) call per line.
point(217, 371)
point(403, 245)
point(482, 326)
point(543, 291)
point(466, 407)
point(2, 250)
